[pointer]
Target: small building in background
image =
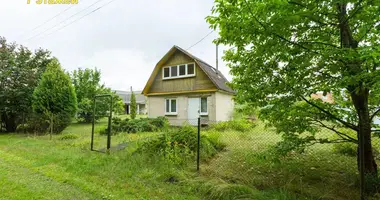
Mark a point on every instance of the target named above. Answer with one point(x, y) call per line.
point(140, 101)
point(328, 98)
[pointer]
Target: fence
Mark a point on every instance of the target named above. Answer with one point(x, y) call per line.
point(322, 164)
point(247, 153)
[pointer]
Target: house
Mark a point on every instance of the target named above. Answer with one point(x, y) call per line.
point(140, 101)
point(182, 87)
point(328, 98)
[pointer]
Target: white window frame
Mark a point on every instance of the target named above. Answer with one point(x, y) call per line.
point(178, 76)
point(170, 106)
point(200, 106)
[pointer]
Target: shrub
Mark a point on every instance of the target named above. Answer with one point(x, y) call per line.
point(39, 123)
point(137, 125)
point(55, 96)
point(241, 125)
point(69, 137)
point(347, 148)
point(180, 144)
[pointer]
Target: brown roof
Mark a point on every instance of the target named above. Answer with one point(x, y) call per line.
point(214, 75)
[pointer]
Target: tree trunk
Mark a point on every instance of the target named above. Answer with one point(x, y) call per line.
point(360, 101)
point(10, 122)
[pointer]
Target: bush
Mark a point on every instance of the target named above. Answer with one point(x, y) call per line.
point(137, 125)
point(347, 148)
point(69, 137)
point(39, 123)
point(242, 125)
point(180, 144)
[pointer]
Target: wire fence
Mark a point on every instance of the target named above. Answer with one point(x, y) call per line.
point(321, 164)
point(317, 164)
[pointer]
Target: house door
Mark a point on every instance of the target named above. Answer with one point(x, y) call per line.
point(193, 108)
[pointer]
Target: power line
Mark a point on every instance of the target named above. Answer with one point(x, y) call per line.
point(47, 21)
point(200, 40)
point(46, 30)
point(78, 19)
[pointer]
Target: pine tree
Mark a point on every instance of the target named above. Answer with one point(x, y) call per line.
point(55, 95)
point(133, 105)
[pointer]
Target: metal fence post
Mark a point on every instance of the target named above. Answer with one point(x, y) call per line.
point(93, 125)
point(109, 126)
point(199, 142)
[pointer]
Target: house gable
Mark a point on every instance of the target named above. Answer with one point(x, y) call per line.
point(199, 83)
point(206, 79)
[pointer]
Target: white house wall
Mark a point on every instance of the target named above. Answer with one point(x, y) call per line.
point(156, 108)
point(224, 106)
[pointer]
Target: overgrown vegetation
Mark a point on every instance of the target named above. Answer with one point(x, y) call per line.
point(281, 59)
point(137, 125)
point(180, 144)
point(87, 86)
point(241, 125)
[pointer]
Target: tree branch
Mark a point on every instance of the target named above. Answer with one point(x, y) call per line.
point(374, 114)
point(273, 33)
point(316, 42)
point(351, 126)
point(349, 138)
point(356, 10)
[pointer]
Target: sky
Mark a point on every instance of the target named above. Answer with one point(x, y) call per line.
point(122, 38)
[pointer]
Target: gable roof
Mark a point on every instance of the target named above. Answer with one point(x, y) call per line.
point(213, 74)
point(126, 96)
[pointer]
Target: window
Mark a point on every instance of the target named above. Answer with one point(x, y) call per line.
point(171, 106)
point(204, 106)
point(174, 71)
point(182, 70)
point(166, 72)
point(190, 69)
point(179, 71)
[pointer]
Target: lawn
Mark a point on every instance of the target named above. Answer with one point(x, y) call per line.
point(34, 167)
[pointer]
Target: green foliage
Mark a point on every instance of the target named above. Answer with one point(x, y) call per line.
point(69, 137)
point(346, 148)
point(180, 144)
point(281, 58)
point(20, 71)
point(241, 125)
point(87, 86)
point(40, 123)
point(55, 96)
point(137, 125)
point(133, 105)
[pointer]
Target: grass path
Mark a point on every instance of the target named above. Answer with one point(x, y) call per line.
point(46, 187)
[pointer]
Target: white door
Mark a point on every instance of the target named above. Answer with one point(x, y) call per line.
point(193, 108)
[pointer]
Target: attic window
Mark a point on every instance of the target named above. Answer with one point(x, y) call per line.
point(179, 71)
point(190, 69)
point(166, 72)
point(182, 70)
point(174, 71)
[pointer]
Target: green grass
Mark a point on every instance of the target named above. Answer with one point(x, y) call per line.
point(316, 174)
point(38, 168)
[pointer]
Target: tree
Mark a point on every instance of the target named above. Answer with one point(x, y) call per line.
point(55, 95)
point(20, 71)
point(133, 105)
point(87, 86)
point(284, 51)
